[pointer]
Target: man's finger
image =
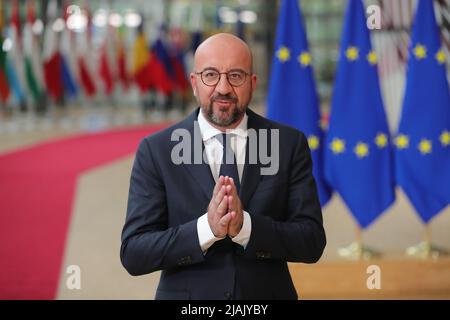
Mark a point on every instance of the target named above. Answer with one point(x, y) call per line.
point(225, 220)
point(228, 189)
point(233, 186)
point(230, 203)
point(223, 206)
point(218, 185)
point(219, 196)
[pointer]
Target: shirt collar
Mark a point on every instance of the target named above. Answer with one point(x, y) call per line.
point(208, 131)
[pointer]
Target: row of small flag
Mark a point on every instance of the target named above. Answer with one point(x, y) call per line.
point(356, 157)
point(68, 63)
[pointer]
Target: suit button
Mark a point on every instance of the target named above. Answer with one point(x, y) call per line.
point(184, 260)
point(227, 295)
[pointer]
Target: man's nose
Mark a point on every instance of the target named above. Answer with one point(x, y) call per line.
point(223, 86)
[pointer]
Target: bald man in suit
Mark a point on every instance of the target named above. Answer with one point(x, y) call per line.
point(222, 229)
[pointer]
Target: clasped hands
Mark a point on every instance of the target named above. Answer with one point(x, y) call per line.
point(225, 215)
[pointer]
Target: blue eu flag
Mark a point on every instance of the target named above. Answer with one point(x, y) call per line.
point(358, 156)
point(292, 97)
point(423, 139)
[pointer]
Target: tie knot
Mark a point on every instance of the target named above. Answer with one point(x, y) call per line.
point(224, 139)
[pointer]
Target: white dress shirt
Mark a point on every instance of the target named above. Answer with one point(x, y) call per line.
point(214, 152)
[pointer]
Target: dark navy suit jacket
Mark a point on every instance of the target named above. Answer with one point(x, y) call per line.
point(166, 199)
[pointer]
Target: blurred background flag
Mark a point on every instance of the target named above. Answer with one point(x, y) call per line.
point(423, 139)
point(141, 72)
point(32, 56)
point(177, 60)
point(161, 65)
point(121, 58)
point(4, 86)
point(104, 68)
point(85, 55)
point(358, 158)
point(14, 58)
point(51, 54)
point(292, 97)
point(68, 59)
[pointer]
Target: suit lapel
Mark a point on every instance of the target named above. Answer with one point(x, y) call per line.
point(250, 178)
point(199, 170)
point(252, 172)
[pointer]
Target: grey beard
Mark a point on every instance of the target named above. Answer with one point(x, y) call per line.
point(235, 116)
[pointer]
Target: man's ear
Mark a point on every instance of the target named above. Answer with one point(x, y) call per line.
point(254, 79)
point(193, 79)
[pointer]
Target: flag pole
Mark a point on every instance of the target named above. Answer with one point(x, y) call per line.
point(357, 250)
point(427, 240)
point(426, 249)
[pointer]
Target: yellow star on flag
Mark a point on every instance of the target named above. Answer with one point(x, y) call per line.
point(445, 138)
point(420, 51)
point(424, 146)
point(283, 54)
point(402, 141)
point(304, 58)
point(313, 142)
point(337, 145)
point(381, 140)
point(352, 53)
point(440, 56)
point(361, 150)
point(372, 57)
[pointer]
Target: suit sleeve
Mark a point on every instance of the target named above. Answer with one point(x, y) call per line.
point(147, 243)
point(300, 237)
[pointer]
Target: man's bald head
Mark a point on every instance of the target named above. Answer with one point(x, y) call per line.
point(223, 44)
point(223, 57)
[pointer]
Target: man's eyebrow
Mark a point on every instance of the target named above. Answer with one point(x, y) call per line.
point(210, 68)
point(230, 70)
point(236, 69)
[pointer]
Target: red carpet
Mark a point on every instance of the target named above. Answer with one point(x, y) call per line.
point(37, 187)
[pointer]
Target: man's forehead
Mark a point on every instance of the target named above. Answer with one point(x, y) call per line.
point(223, 60)
point(223, 52)
point(221, 66)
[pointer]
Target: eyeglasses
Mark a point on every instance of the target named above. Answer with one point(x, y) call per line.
point(211, 77)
